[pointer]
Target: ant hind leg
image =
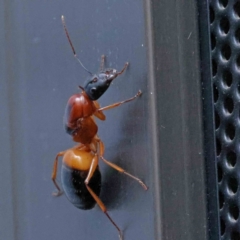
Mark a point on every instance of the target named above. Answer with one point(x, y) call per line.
point(119, 169)
point(92, 169)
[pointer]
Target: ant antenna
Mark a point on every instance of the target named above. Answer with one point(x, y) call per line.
point(74, 52)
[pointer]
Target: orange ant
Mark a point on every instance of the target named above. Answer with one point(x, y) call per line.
point(81, 178)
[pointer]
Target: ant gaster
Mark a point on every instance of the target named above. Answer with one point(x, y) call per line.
point(81, 178)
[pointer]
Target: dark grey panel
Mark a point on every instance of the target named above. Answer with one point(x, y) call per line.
point(178, 108)
point(208, 120)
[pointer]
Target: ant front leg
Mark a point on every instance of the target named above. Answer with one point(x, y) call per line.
point(54, 174)
point(119, 169)
point(120, 103)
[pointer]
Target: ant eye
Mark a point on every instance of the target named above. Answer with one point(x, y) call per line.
point(93, 90)
point(94, 80)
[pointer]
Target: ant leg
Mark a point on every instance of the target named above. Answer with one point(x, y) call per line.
point(54, 174)
point(120, 103)
point(102, 63)
point(104, 209)
point(100, 115)
point(96, 198)
point(92, 169)
point(121, 170)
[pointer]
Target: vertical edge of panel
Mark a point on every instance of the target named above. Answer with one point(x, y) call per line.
point(208, 122)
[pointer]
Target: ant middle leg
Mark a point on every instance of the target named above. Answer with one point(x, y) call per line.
point(120, 103)
point(104, 209)
point(119, 169)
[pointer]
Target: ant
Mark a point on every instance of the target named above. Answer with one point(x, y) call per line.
point(81, 177)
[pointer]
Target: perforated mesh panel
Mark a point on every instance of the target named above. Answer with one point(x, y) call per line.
point(225, 45)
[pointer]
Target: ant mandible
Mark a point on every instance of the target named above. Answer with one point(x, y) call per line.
point(81, 178)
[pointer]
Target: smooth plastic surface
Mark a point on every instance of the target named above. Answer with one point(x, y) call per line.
point(38, 75)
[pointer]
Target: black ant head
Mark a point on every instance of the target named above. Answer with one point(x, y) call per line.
point(99, 83)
